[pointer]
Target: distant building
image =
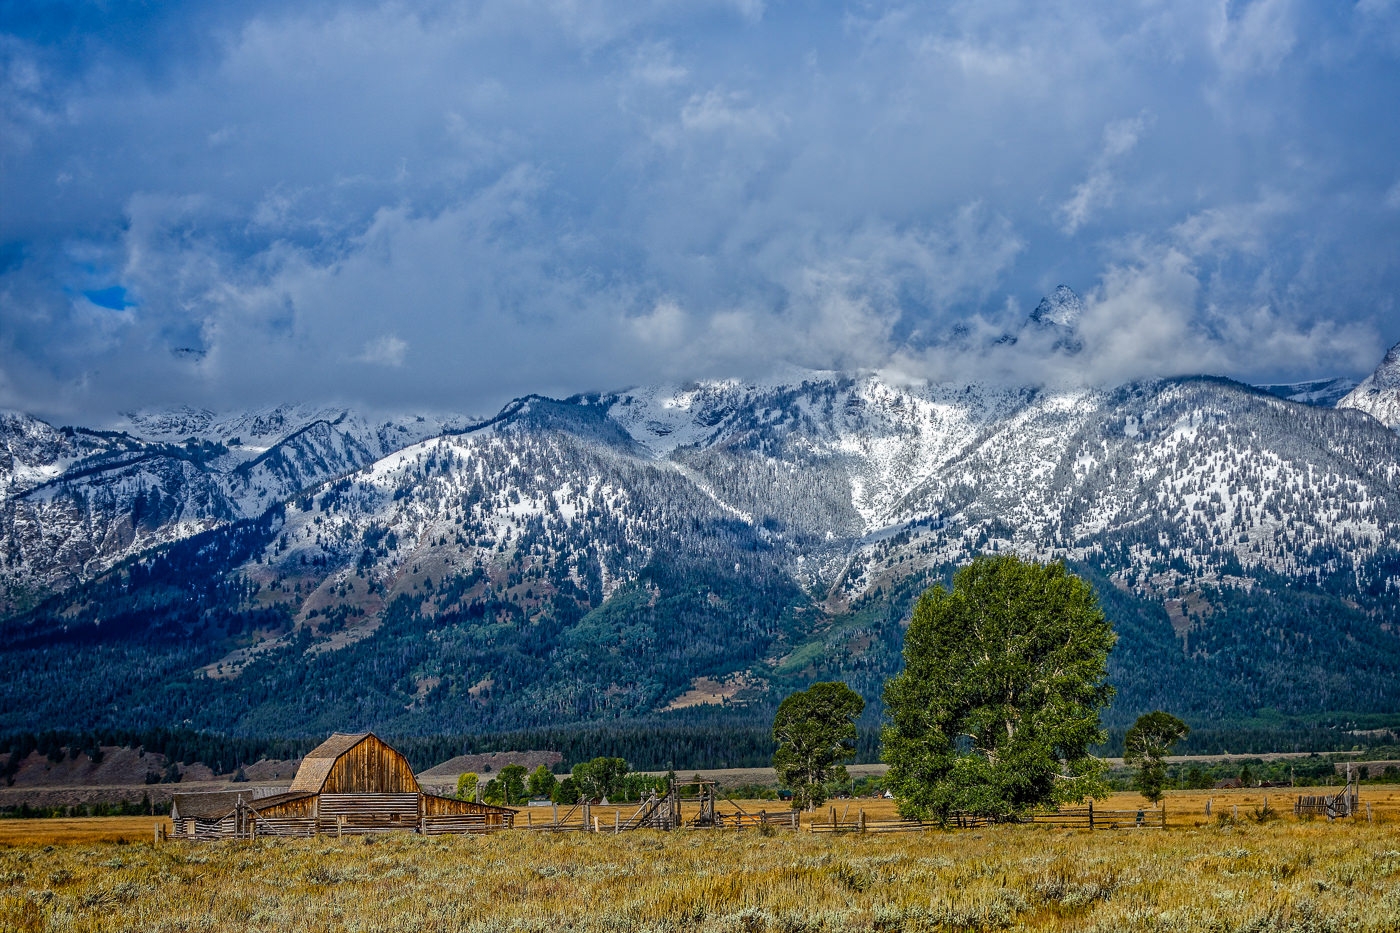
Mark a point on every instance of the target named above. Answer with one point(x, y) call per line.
point(350, 783)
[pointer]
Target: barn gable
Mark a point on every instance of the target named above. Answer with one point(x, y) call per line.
point(355, 763)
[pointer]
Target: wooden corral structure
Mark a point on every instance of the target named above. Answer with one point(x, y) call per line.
point(350, 783)
point(1346, 802)
point(665, 811)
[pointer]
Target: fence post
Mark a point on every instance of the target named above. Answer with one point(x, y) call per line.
point(1209, 801)
point(1091, 814)
point(156, 841)
point(862, 819)
point(1236, 811)
point(617, 822)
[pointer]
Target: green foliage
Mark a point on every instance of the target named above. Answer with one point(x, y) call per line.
point(600, 778)
point(567, 792)
point(513, 783)
point(1147, 745)
point(467, 783)
point(1000, 696)
point(493, 792)
point(815, 731)
point(542, 783)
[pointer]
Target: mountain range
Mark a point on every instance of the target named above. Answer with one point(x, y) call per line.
point(689, 552)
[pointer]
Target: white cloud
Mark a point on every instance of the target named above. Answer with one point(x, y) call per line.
point(1098, 190)
point(387, 350)
point(1255, 36)
point(559, 196)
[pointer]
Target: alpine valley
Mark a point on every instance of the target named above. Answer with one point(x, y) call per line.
point(688, 553)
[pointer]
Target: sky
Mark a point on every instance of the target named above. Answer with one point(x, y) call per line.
point(431, 205)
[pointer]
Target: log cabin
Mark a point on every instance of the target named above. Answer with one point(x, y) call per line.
point(352, 783)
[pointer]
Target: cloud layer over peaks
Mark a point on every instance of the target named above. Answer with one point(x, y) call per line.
point(447, 205)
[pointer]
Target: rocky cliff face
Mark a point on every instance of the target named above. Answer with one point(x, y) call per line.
point(1378, 395)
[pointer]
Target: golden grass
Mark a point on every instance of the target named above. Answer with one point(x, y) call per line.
point(79, 830)
point(1283, 875)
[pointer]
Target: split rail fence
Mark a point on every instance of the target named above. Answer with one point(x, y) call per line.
point(1079, 818)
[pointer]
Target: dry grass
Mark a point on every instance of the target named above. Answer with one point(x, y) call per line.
point(122, 829)
point(1276, 876)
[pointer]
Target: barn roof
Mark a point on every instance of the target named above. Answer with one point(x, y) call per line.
point(216, 806)
point(206, 806)
point(317, 764)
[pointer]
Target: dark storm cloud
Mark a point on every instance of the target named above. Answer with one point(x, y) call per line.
point(445, 205)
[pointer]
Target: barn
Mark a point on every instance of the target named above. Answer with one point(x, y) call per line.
point(350, 783)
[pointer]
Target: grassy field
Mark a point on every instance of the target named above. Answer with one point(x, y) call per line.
point(1282, 875)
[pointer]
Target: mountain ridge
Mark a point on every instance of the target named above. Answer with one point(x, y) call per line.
point(595, 557)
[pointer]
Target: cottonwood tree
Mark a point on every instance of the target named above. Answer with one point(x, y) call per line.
point(513, 783)
point(815, 730)
point(999, 699)
point(600, 778)
point(1146, 747)
point(467, 784)
point(542, 783)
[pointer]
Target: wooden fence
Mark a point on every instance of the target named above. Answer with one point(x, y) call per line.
point(1080, 818)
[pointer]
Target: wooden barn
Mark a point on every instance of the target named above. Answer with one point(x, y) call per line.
point(347, 784)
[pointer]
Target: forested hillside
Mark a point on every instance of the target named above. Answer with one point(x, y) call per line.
point(690, 554)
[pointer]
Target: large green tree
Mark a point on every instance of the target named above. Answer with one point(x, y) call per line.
point(600, 778)
point(513, 784)
point(1146, 747)
point(815, 730)
point(999, 699)
point(542, 783)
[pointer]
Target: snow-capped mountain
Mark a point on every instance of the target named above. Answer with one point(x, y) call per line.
point(1379, 393)
point(590, 557)
point(1062, 308)
point(74, 501)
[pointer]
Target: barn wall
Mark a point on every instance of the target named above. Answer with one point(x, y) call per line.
point(302, 809)
point(386, 811)
point(371, 767)
point(441, 806)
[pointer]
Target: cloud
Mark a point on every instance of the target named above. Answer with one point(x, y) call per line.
point(1254, 37)
point(1098, 190)
point(504, 198)
point(387, 350)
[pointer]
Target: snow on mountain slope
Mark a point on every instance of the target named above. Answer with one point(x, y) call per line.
point(842, 480)
point(1378, 395)
point(1182, 482)
point(851, 480)
point(1062, 307)
point(589, 557)
point(1324, 392)
point(75, 502)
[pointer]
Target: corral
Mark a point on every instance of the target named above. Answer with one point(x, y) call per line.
point(349, 784)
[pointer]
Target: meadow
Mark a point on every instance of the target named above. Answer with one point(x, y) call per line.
point(1199, 875)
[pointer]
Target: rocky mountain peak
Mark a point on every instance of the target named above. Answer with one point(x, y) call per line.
point(1061, 307)
point(1379, 393)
